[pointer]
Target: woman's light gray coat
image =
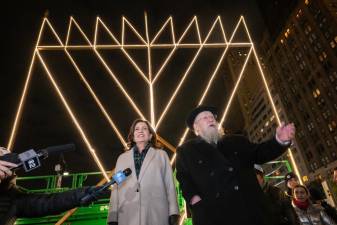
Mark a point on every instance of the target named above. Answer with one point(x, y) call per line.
point(150, 199)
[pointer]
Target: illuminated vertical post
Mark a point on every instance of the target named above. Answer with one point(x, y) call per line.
point(153, 122)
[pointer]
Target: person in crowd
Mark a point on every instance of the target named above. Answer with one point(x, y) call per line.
point(317, 196)
point(290, 181)
point(279, 206)
point(334, 175)
point(148, 196)
point(16, 202)
point(307, 212)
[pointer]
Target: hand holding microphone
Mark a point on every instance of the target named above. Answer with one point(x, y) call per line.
point(5, 167)
point(95, 192)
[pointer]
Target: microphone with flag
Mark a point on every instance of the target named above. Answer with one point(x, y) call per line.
point(94, 193)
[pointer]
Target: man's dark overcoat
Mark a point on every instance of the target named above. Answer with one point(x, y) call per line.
point(224, 177)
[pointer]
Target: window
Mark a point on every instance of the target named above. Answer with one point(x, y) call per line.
point(310, 126)
point(332, 126)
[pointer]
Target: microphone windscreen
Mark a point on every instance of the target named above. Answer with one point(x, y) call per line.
point(11, 157)
point(127, 172)
point(58, 149)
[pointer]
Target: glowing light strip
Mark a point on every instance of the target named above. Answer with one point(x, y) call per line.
point(272, 101)
point(24, 92)
point(183, 217)
point(235, 88)
point(98, 102)
point(170, 45)
point(153, 122)
point(21, 103)
point(223, 30)
point(133, 104)
point(135, 46)
point(134, 30)
point(111, 74)
point(169, 20)
point(72, 20)
point(186, 72)
point(174, 49)
point(98, 20)
point(135, 65)
point(78, 126)
point(213, 76)
point(119, 46)
point(103, 110)
point(127, 54)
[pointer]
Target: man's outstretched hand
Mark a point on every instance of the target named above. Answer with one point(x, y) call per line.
point(285, 133)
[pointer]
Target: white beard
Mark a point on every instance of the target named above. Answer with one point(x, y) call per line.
point(211, 135)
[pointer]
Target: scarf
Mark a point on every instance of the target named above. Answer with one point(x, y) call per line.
point(301, 205)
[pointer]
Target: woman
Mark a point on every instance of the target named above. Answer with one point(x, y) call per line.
point(148, 196)
point(308, 213)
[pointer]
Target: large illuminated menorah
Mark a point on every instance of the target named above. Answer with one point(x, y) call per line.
point(150, 77)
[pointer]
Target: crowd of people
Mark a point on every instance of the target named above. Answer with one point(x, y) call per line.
point(220, 177)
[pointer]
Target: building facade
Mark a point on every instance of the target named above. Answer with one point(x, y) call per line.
point(302, 63)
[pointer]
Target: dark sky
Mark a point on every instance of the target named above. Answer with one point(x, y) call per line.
point(45, 121)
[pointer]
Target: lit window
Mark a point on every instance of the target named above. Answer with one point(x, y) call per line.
point(324, 54)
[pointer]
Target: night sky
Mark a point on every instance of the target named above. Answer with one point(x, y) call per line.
point(45, 121)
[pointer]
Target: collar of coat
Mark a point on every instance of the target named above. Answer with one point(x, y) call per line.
point(148, 158)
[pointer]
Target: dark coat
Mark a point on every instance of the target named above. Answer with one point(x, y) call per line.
point(15, 202)
point(224, 177)
point(279, 206)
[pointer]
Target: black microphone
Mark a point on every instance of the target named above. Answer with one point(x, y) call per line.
point(93, 195)
point(30, 159)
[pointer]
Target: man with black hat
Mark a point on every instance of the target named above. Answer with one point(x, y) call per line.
point(216, 172)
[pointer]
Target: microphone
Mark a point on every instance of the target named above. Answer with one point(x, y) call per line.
point(30, 159)
point(93, 194)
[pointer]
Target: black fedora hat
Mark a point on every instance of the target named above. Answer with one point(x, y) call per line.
point(191, 117)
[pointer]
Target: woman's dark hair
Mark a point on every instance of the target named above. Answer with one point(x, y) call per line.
point(154, 143)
